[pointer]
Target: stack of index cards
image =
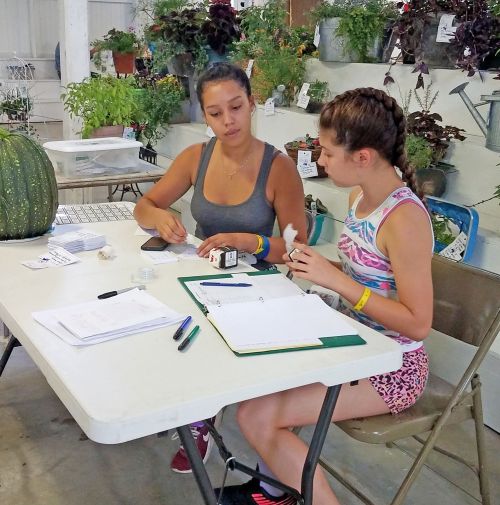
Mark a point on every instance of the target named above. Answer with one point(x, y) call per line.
point(79, 240)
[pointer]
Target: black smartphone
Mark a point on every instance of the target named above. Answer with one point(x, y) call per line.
point(154, 244)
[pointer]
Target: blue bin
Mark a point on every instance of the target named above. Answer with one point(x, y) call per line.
point(465, 218)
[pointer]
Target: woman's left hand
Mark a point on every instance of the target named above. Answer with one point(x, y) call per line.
point(241, 241)
point(310, 265)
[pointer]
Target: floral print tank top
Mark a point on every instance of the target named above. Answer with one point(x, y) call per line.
point(364, 262)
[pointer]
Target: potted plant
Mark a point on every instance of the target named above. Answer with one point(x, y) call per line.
point(425, 125)
point(16, 106)
point(123, 45)
point(319, 93)
point(351, 30)
point(102, 101)
point(160, 102)
point(306, 143)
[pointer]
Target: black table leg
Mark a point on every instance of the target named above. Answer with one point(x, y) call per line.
point(199, 471)
point(13, 342)
point(317, 441)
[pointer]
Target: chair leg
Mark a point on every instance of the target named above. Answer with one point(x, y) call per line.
point(13, 342)
point(481, 445)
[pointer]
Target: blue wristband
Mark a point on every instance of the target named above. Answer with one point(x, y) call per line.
point(266, 247)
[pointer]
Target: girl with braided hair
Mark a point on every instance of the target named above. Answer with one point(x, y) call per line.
point(383, 278)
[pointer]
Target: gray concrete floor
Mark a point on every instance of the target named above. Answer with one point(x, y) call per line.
point(45, 459)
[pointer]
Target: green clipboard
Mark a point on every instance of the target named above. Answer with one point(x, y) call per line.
point(327, 342)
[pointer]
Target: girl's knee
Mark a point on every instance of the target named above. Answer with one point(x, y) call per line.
point(255, 419)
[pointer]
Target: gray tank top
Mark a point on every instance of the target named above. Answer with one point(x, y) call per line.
point(254, 215)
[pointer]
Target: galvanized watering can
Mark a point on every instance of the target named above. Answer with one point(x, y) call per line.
point(491, 127)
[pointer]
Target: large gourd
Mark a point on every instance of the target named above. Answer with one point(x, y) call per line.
point(28, 188)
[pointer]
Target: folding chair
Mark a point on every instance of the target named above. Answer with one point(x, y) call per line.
point(466, 307)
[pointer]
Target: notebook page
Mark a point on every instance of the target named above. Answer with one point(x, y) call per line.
point(279, 323)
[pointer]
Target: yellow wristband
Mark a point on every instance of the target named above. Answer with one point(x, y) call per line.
point(260, 245)
point(364, 298)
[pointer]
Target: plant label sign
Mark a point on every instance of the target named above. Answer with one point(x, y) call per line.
point(455, 250)
point(316, 36)
point(303, 98)
point(446, 30)
point(305, 166)
point(248, 71)
point(269, 107)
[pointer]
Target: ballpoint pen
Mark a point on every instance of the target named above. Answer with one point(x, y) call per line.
point(180, 331)
point(109, 294)
point(230, 284)
point(188, 339)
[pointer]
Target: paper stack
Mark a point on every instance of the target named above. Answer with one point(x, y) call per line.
point(76, 241)
point(88, 323)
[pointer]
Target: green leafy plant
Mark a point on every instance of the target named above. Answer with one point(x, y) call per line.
point(118, 41)
point(326, 10)
point(418, 151)
point(319, 91)
point(101, 101)
point(160, 99)
point(442, 229)
point(15, 105)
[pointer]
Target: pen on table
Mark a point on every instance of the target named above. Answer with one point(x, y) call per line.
point(179, 332)
point(109, 294)
point(188, 339)
point(230, 284)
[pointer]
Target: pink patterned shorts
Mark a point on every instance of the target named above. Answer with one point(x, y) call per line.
point(402, 388)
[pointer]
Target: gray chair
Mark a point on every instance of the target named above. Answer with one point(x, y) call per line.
point(466, 307)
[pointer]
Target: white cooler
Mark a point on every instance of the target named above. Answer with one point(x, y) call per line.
point(94, 157)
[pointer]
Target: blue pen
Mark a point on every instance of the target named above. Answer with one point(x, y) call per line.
point(188, 339)
point(182, 327)
point(230, 284)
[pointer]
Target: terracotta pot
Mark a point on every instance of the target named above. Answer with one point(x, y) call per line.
point(107, 131)
point(124, 62)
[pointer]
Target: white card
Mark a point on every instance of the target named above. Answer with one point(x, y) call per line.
point(455, 250)
point(249, 68)
point(303, 101)
point(305, 88)
point(446, 30)
point(57, 257)
point(316, 36)
point(128, 133)
point(269, 107)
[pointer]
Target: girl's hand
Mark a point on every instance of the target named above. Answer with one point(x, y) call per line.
point(310, 265)
point(242, 241)
point(170, 227)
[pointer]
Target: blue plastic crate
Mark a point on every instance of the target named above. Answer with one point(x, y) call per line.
point(465, 218)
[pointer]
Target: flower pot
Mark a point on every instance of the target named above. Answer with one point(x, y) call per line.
point(314, 107)
point(436, 54)
point(431, 181)
point(315, 154)
point(124, 62)
point(107, 131)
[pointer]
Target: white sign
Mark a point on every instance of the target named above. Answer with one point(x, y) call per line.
point(303, 98)
point(269, 107)
point(456, 249)
point(248, 71)
point(305, 166)
point(446, 30)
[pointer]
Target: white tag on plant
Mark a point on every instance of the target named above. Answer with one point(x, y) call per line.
point(316, 36)
point(269, 107)
point(446, 30)
point(303, 101)
point(456, 249)
point(249, 68)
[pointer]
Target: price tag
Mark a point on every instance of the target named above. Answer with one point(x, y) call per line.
point(316, 36)
point(305, 88)
point(446, 30)
point(209, 133)
point(305, 166)
point(456, 249)
point(248, 71)
point(269, 107)
point(128, 133)
point(303, 98)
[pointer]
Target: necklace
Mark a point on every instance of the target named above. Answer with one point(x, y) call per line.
point(241, 165)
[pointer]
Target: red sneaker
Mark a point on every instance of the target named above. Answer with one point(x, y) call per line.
point(180, 462)
point(251, 493)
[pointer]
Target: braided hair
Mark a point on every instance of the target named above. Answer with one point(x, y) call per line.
point(369, 117)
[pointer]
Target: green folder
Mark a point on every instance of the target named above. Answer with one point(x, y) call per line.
point(326, 342)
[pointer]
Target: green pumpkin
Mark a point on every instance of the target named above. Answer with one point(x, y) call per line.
point(28, 187)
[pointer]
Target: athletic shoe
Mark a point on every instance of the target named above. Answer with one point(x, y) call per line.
point(180, 462)
point(251, 493)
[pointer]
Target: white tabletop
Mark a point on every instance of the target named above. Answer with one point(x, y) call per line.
point(139, 385)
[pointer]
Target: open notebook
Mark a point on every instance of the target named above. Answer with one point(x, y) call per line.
point(269, 314)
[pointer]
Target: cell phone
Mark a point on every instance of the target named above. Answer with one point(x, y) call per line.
point(154, 244)
point(292, 254)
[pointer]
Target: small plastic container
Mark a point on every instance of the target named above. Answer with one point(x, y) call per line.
point(94, 157)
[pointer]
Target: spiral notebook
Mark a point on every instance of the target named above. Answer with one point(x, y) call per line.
point(269, 313)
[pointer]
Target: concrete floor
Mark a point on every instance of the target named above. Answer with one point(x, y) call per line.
point(46, 460)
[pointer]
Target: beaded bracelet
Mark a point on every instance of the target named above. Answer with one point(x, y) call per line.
point(265, 248)
point(362, 301)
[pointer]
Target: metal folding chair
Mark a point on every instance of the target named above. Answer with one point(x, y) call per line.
point(466, 307)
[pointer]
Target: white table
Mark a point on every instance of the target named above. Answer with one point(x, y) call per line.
point(140, 385)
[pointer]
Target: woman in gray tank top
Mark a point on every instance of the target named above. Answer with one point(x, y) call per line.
point(241, 184)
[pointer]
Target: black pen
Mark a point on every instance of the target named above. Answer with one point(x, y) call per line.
point(188, 339)
point(109, 294)
point(182, 327)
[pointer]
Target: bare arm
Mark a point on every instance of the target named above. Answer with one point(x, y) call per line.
point(151, 210)
point(406, 239)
